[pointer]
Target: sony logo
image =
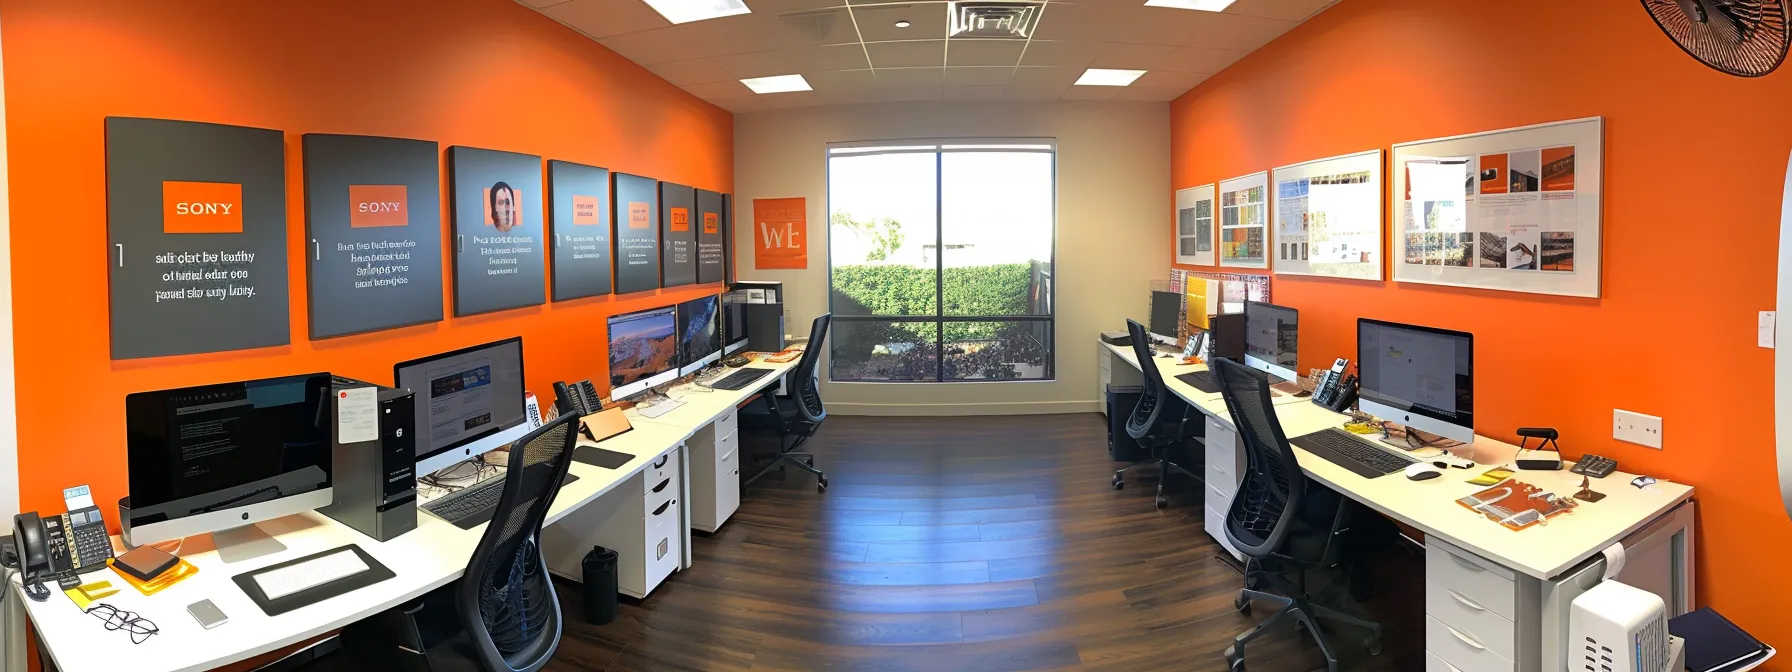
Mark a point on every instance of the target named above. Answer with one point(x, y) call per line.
point(381, 207)
point(197, 208)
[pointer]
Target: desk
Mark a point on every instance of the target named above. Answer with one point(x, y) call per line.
point(1548, 564)
point(433, 555)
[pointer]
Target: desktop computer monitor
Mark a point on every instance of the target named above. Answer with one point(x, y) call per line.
point(699, 340)
point(643, 351)
point(1420, 377)
point(734, 322)
point(220, 458)
point(1166, 311)
point(1271, 338)
point(469, 402)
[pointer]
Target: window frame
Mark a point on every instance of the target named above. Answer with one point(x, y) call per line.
point(940, 147)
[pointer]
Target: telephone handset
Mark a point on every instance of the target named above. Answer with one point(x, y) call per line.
point(1337, 390)
point(581, 398)
point(588, 392)
point(59, 547)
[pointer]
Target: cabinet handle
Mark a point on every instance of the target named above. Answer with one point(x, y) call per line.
point(1466, 563)
point(661, 463)
point(1465, 601)
point(668, 503)
point(1465, 639)
point(662, 485)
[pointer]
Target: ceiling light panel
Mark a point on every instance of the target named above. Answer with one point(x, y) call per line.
point(1197, 5)
point(778, 84)
point(994, 20)
point(1105, 77)
point(686, 11)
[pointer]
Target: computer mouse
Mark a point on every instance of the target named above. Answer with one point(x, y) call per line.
point(1422, 472)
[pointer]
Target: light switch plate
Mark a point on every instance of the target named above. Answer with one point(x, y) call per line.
point(1764, 329)
point(1636, 428)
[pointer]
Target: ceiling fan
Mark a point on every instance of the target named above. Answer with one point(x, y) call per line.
point(1746, 38)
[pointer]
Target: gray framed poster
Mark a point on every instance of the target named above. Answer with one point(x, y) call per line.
point(373, 221)
point(678, 239)
point(637, 248)
point(581, 227)
point(709, 237)
point(195, 237)
point(728, 237)
point(499, 263)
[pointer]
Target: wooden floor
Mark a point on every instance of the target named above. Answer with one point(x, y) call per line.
point(983, 544)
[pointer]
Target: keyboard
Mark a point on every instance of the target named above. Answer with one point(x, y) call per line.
point(1350, 452)
point(278, 583)
point(1201, 380)
point(740, 379)
point(474, 505)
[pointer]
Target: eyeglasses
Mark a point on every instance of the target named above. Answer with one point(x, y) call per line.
point(128, 621)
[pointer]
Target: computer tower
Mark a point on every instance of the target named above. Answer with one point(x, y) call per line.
point(1121, 401)
point(1228, 336)
point(375, 481)
point(765, 327)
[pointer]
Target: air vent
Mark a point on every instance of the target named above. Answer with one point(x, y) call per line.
point(995, 20)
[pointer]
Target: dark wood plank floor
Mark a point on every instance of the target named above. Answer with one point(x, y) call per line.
point(985, 544)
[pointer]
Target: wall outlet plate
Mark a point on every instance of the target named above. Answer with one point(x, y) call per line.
point(1637, 428)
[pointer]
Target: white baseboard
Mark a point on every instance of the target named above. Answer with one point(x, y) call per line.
point(935, 410)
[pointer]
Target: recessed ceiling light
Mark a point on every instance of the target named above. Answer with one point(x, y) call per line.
point(1105, 77)
point(903, 24)
point(686, 11)
point(1198, 5)
point(778, 84)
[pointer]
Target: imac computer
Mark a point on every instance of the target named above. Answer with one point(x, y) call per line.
point(1271, 338)
point(1420, 377)
point(734, 322)
point(1166, 311)
point(220, 458)
point(699, 340)
point(469, 402)
point(643, 351)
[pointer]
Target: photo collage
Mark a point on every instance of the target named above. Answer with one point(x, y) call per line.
point(1194, 229)
point(1323, 219)
point(1515, 211)
point(1242, 221)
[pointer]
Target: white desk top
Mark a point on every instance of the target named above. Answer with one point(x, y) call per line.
point(1543, 551)
point(426, 558)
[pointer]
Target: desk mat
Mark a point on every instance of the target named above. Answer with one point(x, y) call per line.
point(375, 573)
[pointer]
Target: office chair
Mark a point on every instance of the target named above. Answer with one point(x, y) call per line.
point(502, 615)
point(1160, 421)
point(799, 414)
point(1279, 525)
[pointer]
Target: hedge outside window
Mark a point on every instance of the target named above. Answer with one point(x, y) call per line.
point(908, 308)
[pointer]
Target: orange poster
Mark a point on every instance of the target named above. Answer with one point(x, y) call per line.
point(638, 214)
point(711, 223)
point(373, 205)
point(780, 233)
point(1494, 174)
point(1558, 169)
point(681, 219)
point(584, 210)
point(202, 207)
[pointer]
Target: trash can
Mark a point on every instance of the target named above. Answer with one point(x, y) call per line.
point(599, 574)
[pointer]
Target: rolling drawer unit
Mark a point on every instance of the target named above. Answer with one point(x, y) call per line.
point(639, 520)
point(715, 472)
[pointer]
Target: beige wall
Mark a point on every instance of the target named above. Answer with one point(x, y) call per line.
point(1113, 228)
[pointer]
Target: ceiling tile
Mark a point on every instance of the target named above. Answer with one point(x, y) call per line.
point(1060, 53)
point(1146, 93)
point(1200, 59)
point(1041, 83)
point(796, 61)
point(910, 77)
point(693, 71)
point(1285, 10)
point(979, 76)
point(842, 81)
point(1234, 31)
point(975, 92)
point(734, 35)
point(1091, 93)
point(984, 52)
point(1131, 56)
point(785, 6)
point(605, 18)
point(775, 101)
point(897, 94)
point(1132, 23)
point(907, 54)
point(714, 91)
point(1166, 79)
point(877, 23)
point(854, 97)
point(541, 3)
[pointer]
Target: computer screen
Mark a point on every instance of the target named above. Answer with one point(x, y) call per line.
point(643, 350)
point(699, 339)
point(1421, 377)
point(734, 322)
point(230, 446)
point(1166, 311)
point(469, 401)
point(1272, 339)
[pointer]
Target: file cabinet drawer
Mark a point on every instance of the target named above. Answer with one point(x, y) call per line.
point(666, 467)
point(1436, 664)
point(1221, 488)
point(1466, 616)
point(1482, 582)
point(1460, 651)
point(1216, 528)
point(655, 493)
point(727, 424)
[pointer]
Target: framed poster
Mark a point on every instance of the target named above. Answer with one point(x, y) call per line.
point(1194, 225)
point(498, 231)
point(780, 230)
point(708, 223)
point(1244, 220)
point(637, 249)
point(1328, 217)
point(195, 237)
point(373, 221)
point(581, 221)
point(678, 238)
point(1515, 210)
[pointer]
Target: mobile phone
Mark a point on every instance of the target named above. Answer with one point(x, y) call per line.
point(208, 614)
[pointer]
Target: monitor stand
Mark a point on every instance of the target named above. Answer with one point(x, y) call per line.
point(246, 542)
point(649, 408)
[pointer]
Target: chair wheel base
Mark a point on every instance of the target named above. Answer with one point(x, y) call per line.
point(1119, 483)
point(821, 484)
point(1234, 661)
point(1162, 502)
point(1242, 605)
point(1373, 645)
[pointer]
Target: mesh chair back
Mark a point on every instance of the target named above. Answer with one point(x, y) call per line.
point(1269, 497)
point(1144, 415)
point(807, 394)
point(507, 604)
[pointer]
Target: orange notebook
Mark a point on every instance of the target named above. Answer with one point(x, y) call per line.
point(174, 575)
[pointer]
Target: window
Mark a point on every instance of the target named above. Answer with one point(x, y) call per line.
point(940, 260)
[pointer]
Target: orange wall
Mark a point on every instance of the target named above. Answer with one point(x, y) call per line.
point(1673, 334)
point(484, 73)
